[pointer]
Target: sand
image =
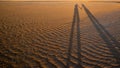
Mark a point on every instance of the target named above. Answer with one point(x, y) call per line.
point(39, 35)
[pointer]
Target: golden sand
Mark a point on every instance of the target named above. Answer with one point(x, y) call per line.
point(37, 35)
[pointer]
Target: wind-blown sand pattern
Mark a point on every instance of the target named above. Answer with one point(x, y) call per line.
point(59, 35)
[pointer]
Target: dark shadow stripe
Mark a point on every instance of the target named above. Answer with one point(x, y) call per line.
point(76, 20)
point(111, 42)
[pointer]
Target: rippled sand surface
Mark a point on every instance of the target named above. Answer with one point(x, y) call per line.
point(37, 35)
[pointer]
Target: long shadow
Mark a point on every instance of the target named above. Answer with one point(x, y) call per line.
point(111, 42)
point(76, 20)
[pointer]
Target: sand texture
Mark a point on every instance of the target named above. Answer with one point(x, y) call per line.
point(59, 35)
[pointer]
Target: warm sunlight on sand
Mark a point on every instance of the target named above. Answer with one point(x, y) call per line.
point(59, 34)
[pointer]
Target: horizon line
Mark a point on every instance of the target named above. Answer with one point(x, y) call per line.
point(60, 1)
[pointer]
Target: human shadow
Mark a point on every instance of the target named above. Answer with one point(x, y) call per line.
point(111, 42)
point(76, 22)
